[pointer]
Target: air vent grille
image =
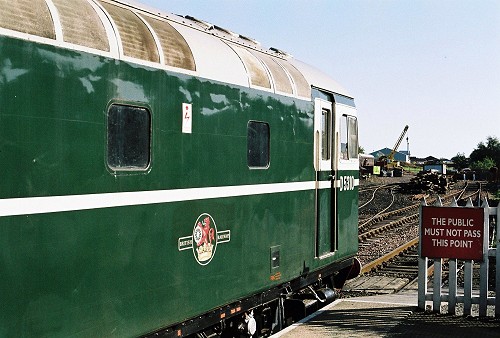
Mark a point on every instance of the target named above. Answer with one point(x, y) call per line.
point(27, 16)
point(136, 38)
point(176, 51)
point(81, 24)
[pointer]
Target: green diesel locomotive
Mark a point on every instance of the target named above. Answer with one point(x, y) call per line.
point(165, 176)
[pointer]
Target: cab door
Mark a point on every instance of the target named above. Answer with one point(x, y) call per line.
point(324, 156)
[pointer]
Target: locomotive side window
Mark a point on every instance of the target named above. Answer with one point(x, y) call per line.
point(258, 136)
point(352, 137)
point(129, 137)
point(325, 134)
point(348, 137)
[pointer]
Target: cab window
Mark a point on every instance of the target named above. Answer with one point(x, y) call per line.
point(348, 137)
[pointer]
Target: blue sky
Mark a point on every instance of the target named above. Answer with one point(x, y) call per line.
point(434, 65)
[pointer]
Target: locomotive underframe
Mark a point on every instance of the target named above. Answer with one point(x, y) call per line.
point(226, 319)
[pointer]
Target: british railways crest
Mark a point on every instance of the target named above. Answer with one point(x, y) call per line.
point(204, 239)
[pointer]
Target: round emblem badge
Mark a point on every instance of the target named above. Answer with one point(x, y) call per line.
point(204, 239)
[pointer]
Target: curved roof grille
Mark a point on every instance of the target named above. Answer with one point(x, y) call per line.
point(281, 80)
point(176, 52)
point(256, 71)
point(81, 25)
point(27, 16)
point(136, 39)
point(124, 30)
point(303, 87)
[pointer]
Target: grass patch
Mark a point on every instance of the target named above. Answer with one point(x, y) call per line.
point(496, 195)
point(414, 170)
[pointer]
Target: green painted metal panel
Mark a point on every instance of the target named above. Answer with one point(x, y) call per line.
point(347, 214)
point(325, 221)
point(123, 271)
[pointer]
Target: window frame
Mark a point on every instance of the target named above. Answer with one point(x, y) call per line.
point(353, 150)
point(260, 167)
point(129, 168)
point(346, 131)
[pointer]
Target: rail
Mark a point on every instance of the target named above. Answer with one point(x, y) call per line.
point(379, 261)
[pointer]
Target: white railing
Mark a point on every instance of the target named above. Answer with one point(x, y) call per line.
point(468, 295)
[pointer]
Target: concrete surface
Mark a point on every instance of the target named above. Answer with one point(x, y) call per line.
point(394, 315)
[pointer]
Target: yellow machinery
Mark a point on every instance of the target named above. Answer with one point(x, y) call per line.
point(390, 157)
point(387, 163)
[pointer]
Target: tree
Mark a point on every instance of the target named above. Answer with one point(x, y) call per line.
point(489, 150)
point(485, 164)
point(460, 161)
point(361, 150)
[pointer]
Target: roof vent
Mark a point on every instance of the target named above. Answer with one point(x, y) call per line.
point(226, 31)
point(203, 24)
point(246, 38)
point(280, 52)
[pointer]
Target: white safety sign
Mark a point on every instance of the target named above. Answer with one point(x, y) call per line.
point(187, 118)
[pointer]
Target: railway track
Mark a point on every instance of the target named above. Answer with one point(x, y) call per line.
point(382, 220)
point(388, 240)
point(472, 191)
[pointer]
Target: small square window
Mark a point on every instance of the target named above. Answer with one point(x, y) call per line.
point(129, 137)
point(258, 136)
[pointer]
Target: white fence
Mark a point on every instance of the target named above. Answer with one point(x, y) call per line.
point(465, 293)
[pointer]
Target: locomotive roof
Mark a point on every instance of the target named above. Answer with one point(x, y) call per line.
point(134, 32)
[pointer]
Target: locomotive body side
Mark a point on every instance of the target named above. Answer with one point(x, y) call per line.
point(216, 201)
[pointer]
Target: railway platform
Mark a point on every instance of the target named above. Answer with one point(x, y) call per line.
point(393, 315)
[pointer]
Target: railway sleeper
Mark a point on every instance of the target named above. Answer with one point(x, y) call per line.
point(390, 225)
point(399, 268)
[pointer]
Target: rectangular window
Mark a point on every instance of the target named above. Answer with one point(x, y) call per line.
point(325, 135)
point(348, 137)
point(129, 137)
point(352, 132)
point(258, 147)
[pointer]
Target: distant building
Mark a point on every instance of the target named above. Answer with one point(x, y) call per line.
point(417, 160)
point(398, 156)
point(440, 168)
point(430, 160)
